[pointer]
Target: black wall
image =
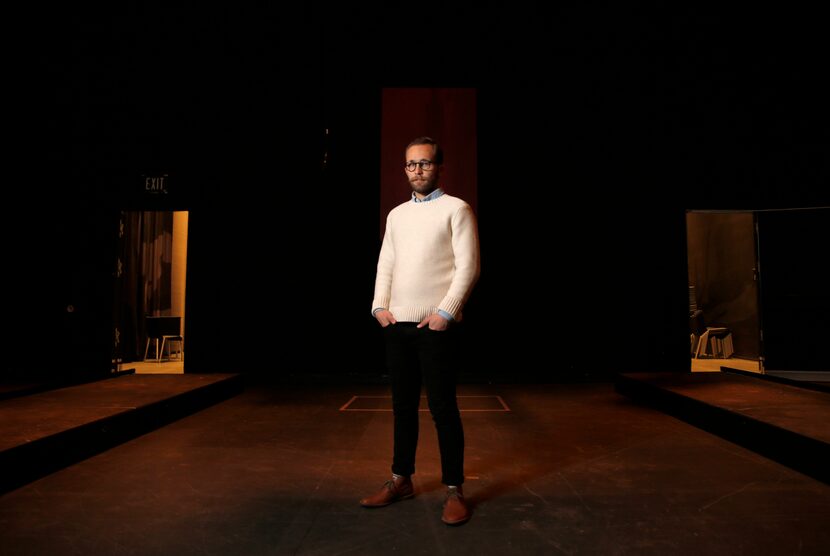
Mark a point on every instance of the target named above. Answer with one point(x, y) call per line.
point(794, 288)
point(596, 131)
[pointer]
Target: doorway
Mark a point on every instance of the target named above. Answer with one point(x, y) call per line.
point(151, 280)
point(724, 315)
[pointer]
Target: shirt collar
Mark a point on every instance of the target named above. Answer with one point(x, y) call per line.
point(431, 197)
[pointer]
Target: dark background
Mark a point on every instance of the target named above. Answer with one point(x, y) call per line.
point(597, 129)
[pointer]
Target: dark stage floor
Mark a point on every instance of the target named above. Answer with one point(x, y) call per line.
point(784, 422)
point(791, 408)
point(571, 469)
point(30, 418)
point(46, 431)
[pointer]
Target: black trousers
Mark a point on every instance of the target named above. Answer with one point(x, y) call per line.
point(414, 355)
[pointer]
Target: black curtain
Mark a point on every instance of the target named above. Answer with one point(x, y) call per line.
point(147, 273)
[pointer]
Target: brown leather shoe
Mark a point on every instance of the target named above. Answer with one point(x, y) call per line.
point(392, 491)
point(456, 510)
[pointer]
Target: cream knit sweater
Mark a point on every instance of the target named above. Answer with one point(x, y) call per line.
point(429, 259)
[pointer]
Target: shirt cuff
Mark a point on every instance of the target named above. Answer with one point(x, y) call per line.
point(446, 315)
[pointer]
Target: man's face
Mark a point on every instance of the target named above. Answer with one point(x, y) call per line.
point(422, 181)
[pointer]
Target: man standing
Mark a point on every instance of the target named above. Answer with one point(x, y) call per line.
point(428, 265)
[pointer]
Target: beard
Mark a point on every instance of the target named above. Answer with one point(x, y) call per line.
point(424, 185)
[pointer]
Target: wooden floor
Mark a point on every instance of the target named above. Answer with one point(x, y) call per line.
point(157, 368)
point(710, 365)
point(176, 366)
point(698, 365)
point(569, 469)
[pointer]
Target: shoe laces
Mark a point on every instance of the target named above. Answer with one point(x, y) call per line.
point(453, 492)
point(390, 484)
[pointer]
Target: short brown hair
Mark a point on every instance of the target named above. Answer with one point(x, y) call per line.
point(439, 152)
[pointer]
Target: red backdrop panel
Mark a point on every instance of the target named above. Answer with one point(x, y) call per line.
point(446, 115)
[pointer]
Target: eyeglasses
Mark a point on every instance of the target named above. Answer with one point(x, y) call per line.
point(424, 164)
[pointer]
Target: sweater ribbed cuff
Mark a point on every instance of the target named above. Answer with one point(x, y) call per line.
point(452, 305)
point(379, 302)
